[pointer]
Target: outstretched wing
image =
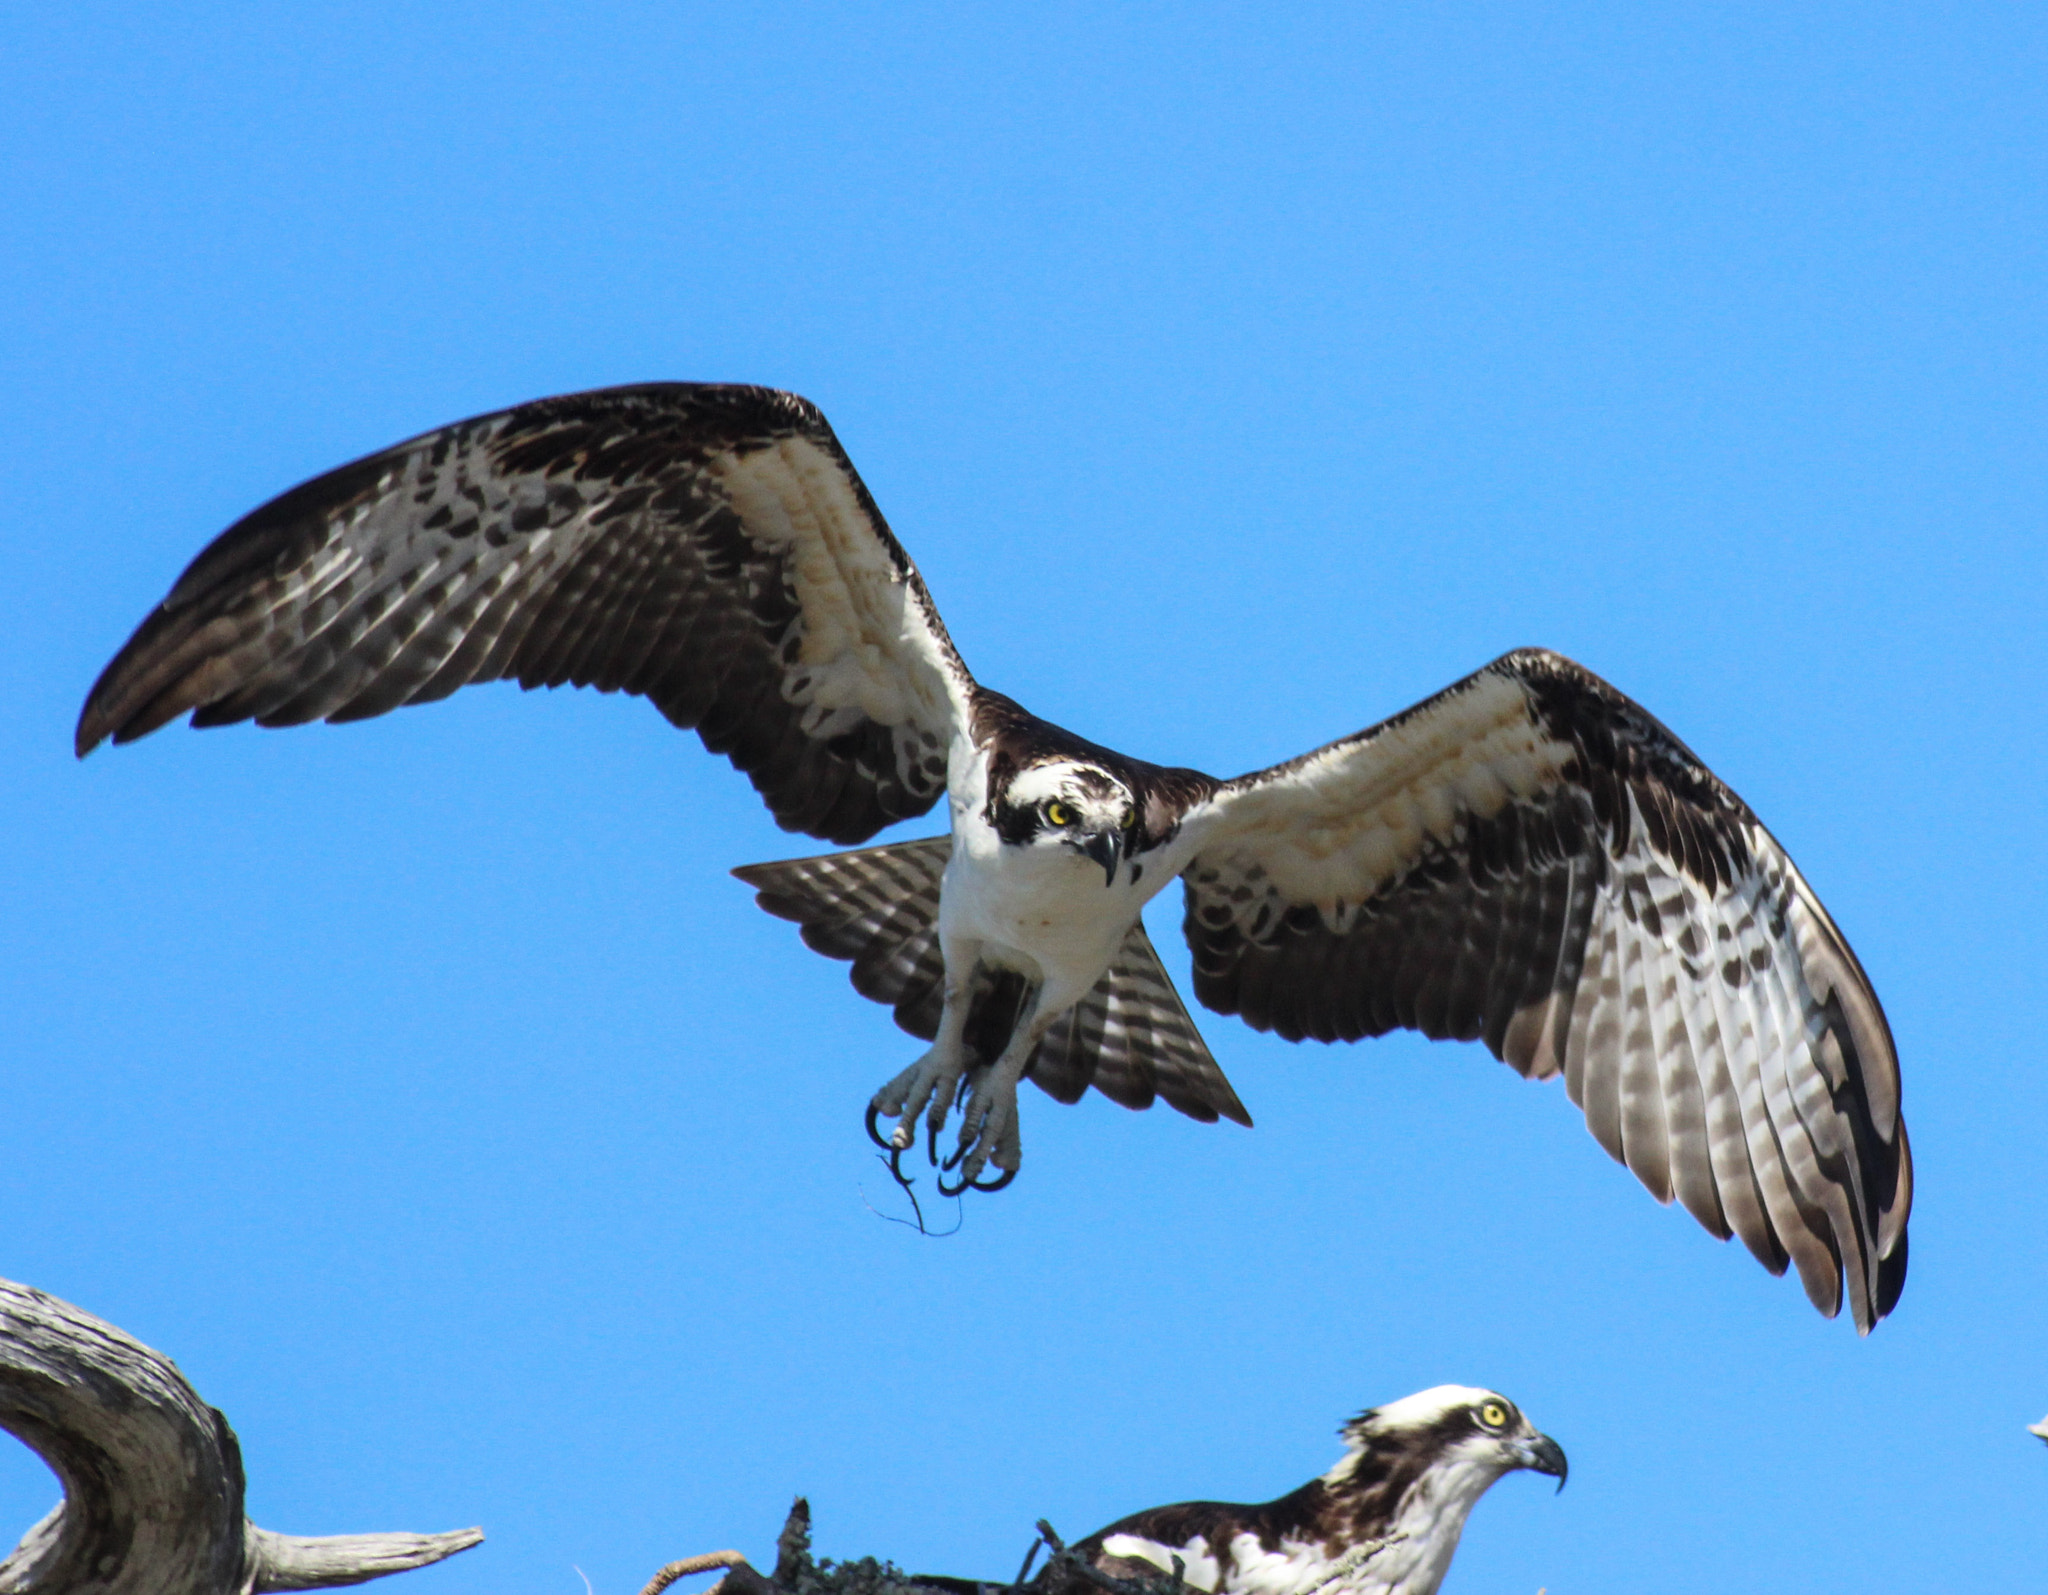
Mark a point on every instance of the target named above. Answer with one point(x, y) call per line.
point(709, 548)
point(1530, 859)
point(1130, 1037)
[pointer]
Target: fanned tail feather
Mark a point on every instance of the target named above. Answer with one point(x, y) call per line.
point(879, 907)
point(1131, 1037)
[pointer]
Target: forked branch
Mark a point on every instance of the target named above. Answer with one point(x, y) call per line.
point(152, 1476)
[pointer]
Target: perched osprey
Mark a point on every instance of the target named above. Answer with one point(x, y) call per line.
point(1527, 858)
point(1384, 1521)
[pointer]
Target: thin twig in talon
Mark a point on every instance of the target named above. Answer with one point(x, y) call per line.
point(692, 1564)
point(896, 1173)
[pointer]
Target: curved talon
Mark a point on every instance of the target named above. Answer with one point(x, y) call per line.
point(952, 1162)
point(975, 1184)
point(931, 1144)
point(887, 1145)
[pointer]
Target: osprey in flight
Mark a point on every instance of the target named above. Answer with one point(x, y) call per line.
point(1385, 1520)
point(1528, 858)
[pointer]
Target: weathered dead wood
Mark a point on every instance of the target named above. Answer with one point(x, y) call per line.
point(797, 1573)
point(693, 1564)
point(152, 1476)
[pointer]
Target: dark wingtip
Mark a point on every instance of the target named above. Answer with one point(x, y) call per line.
point(93, 721)
point(111, 708)
point(1891, 1279)
point(97, 723)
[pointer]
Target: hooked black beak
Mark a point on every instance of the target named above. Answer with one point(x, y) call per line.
point(1544, 1455)
point(1107, 849)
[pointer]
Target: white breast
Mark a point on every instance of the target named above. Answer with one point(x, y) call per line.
point(1294, 1567)
point(1043, 911)
point(1410, 1559)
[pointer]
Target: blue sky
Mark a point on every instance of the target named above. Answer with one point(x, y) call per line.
point(427, 1089)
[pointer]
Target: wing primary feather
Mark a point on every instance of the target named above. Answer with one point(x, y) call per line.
point(1644, 1137)
point(1590, 1072)
point(1728, 1144)
point(1682, 1053)
point(600, 539)
point(1532, 859)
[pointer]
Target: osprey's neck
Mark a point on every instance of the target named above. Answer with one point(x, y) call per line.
point(1418, 1505)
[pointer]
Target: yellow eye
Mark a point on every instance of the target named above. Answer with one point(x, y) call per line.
point(1059, 814)
point(1494, 1415)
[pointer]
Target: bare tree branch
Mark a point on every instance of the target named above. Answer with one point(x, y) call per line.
point(693, 1564)
point(152, 1476)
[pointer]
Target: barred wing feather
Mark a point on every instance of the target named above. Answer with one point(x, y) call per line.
point(707, 547)
point(1530, 859)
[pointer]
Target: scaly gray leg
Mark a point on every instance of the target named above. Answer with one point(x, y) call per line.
point(989, 1130)
point(934, 1079)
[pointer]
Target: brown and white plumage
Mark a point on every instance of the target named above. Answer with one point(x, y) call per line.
point(1386, 1520)
point(708, 548)
point(1530, 859)
point(1527, 859)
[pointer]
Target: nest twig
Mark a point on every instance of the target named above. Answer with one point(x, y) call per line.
point(797, 1572)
